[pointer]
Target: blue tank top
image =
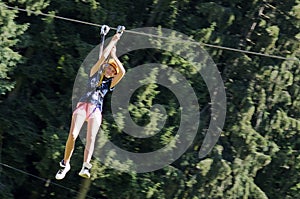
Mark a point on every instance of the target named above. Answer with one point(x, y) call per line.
point(94, 93)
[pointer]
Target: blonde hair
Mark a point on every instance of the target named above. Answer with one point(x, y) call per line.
point(114, 64)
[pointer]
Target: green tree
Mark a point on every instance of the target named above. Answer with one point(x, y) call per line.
point(258, 148)
point(10, 32)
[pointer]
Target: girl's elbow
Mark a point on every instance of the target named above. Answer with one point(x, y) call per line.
point(123, 71)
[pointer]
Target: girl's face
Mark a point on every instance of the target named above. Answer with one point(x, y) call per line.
point(110, 71)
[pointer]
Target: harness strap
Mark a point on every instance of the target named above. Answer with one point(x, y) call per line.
point(91, 113)
point(84, 104)
point(104, 30)
point(101, 79)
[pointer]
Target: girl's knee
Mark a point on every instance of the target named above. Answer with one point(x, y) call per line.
point(92, 139)
point(72, 136)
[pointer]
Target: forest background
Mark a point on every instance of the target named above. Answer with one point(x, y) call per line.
point(257, 155)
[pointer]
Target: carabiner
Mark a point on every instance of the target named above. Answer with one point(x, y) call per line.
point(120, 29)
point(104, 29)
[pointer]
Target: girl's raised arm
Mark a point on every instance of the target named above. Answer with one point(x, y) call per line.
point(105, 54)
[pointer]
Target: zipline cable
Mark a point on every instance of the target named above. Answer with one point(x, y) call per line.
point(54, 16)
point(47, 181)
point(156, 36)
point(216, 46)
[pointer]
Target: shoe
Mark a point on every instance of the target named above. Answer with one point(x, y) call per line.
point(85, 171)
point(64, 168)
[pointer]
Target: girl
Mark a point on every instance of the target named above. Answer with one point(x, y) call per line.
point(89, 107)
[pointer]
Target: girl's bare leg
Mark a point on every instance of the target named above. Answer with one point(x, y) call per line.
point(93, 126)
point(78, 119)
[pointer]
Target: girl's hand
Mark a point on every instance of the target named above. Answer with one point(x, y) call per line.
point(116, 37)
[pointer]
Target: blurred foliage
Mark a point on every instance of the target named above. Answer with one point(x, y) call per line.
point(257, 155)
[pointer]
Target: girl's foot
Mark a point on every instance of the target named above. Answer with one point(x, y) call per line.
point(64, 168)
point(85, 171)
